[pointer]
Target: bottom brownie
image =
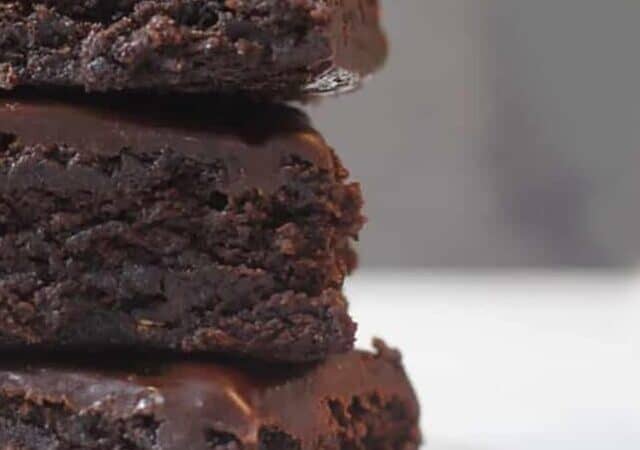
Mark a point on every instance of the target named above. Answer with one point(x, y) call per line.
point(354, 401)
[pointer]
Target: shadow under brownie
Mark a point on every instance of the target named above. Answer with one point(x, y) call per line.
point(358, 400)
point(193, 224)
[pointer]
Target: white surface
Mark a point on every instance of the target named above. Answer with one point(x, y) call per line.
point(513, 362)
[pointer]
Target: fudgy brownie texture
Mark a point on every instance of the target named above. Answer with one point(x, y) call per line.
point(262, 47)
point(222, 228)
point(354, 401)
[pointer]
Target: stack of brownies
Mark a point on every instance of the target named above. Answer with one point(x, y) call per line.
point(173, 242)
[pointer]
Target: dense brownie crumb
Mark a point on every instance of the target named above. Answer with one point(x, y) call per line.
point(264, 47)
point(123, 232)
point(355, 401)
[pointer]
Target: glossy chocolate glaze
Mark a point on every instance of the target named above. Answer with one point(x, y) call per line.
point(189, 399)
point(250, 139)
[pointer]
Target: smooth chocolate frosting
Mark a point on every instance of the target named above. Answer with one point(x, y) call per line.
point(250, 139)
point(190, 398)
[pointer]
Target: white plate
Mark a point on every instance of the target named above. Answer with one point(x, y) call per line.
point(513, 362)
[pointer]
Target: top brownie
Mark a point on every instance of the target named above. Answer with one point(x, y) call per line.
point(264, 48)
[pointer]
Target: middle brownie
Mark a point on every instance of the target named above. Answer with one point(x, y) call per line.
point(225, 229)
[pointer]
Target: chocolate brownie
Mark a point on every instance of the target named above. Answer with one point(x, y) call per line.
point(354, 401)
point(264, 47)
point(175, 225)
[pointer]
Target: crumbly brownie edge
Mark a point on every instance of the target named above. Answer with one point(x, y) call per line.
point(201, 45)
point(129, 301)
point(57, 204)
point(25, 424)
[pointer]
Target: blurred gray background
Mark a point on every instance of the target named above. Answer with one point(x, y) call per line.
point(502, 133)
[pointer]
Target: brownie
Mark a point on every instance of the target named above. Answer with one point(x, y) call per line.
point(193, 226)
point(262, 47)
point(353, 401)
